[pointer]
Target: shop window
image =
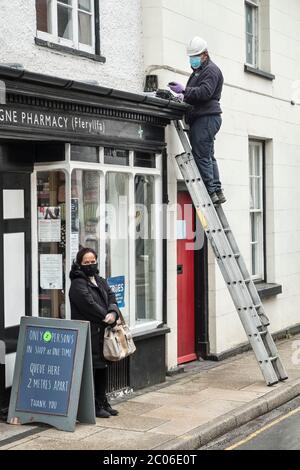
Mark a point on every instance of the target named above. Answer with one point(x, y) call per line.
point(116, 157)
point(80, 153)
point(145, 160)
point(85, 210)
point(117, 237)
point(51, 243)
point(145, 251)
point(67, 22)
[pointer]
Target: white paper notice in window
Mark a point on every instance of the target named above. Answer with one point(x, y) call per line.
point(51, 272)
point(49, 224)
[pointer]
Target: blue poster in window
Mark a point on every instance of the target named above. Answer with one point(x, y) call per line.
point(117, 285)
point(47, 371)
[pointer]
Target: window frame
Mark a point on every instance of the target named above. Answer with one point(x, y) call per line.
point(71, 43)
point(260, 275)
point(254, 6)
point(68, 166)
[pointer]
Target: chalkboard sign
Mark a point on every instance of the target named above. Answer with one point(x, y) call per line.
point(53, 381)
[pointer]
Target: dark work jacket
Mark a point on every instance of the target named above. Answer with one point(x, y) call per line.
point(203, 91)
point(92, 303)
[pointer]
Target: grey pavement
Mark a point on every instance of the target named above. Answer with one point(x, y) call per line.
point(185, 413)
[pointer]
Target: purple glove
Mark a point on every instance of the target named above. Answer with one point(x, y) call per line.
point(176, 87)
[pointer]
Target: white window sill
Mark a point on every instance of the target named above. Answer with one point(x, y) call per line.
point(68, 50)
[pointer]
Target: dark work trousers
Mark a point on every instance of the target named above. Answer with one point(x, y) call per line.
point(100, 384)
point(202, 136)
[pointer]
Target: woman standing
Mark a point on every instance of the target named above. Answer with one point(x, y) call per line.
point(92, 300)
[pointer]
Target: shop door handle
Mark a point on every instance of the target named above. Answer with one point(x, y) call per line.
point(179, 268)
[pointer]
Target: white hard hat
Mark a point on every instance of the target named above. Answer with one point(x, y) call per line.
point(196, 46)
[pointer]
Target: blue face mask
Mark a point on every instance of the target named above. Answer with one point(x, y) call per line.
point(195, 62)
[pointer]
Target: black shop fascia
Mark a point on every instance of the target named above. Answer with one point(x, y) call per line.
point(46, 124)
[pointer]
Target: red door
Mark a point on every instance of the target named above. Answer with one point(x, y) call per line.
point(185, 279)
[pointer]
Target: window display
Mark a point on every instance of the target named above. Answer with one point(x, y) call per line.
point(117, 241)
point(111, 210)
point(51, 243)
point(85, 210)
point(145, 249)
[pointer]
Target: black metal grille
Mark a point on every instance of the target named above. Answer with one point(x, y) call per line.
point(118, 376)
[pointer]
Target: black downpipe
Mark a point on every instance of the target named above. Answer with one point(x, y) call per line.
point(165, 259)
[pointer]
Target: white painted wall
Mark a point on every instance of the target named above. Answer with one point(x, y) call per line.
point(121, 45)
point(168, 26)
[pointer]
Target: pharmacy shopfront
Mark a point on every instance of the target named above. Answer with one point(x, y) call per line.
point(82, 165)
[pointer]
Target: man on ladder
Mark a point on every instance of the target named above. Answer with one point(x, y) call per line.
point(203, 93)
point(200, 174)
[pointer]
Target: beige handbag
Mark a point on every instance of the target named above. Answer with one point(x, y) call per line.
point(118, 342)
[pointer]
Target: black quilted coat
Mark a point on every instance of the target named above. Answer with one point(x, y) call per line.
point(92, 303)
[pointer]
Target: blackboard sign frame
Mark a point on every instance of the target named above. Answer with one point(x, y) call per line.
point(81, 396)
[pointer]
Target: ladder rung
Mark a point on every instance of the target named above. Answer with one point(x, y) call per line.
point(237, 255)
point(227, 230)
point(273, 359)
point(263, 333)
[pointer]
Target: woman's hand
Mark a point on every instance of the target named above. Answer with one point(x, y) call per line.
point(110, 318)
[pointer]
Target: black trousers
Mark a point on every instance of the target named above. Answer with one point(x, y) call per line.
point(100, 385)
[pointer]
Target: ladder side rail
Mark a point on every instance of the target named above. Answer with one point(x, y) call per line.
point(240, 260)
point(261, 341)
point(251, 328)
point(224, 250)
point(229, 269)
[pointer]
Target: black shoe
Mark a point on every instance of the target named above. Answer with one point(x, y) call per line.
point(101, 412)
point(109, 409)
point(214, 198)
point(221, 196)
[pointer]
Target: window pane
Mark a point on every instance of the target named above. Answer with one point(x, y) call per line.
point(146, 160)
point(85, 213)
point(145, 249)
point(249, 52)
point(116, 156)
point(51, 243)
point(43, 15)
point(65, 2)
point(85, 5)
point(257, 160)
point(81, 153)
point(255, 260)
point(85, 28)
point(117, 241)
point(254, 228)
point(64, 19)
point(249, 19)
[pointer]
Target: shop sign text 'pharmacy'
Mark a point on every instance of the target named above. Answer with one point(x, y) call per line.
point(51, 122)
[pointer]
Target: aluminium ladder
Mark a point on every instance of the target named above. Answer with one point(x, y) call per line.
point(232, 265)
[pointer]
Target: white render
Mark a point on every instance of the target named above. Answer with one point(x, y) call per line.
point(120, 36)
point(168, 26)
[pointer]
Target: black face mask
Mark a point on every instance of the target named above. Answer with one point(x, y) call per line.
point(89, 270)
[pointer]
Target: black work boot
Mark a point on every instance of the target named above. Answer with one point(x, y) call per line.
point(100, 410)
point(221, 196)
point(214, 198)
point(109, 409)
